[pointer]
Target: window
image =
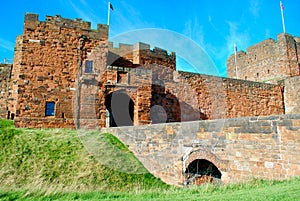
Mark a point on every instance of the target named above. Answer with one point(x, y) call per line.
point(122, 77)
point(50, 108)
point(88, 66)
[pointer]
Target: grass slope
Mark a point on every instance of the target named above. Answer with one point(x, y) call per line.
point(254, 190)
point(53, 164)
point(55, 160)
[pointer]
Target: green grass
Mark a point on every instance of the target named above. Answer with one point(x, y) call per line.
point(253, 190)
point(64, 164)
point(57, 160)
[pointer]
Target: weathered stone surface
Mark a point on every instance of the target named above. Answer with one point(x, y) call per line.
point(267, 61)
point(291, 95)
point(238, 156)
point(5, 80)
point(50, 66)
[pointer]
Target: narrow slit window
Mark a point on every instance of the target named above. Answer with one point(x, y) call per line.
point(49, 108)
point(89, 66)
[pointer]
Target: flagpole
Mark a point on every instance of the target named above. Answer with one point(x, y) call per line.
point(108, 13)
point(235, 62)
point(282, 16)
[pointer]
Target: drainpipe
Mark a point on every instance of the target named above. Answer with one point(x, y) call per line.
point(80, 47)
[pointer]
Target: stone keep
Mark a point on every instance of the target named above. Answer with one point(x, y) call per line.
point(65, 75)
point(267, 61)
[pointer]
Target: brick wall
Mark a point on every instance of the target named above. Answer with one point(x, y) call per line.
point(5, 73)
point(241, 148)
point(49, 57)
point(140, 54)
point(226, 98)
point(267, 61)
point(51, 65)
point(291, 95)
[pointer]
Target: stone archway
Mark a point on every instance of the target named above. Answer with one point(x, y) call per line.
point(120, 109)
point(201, 166)
point(201, 171)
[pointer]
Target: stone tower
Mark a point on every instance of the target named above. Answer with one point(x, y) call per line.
point(267, 61)
point(50, 63)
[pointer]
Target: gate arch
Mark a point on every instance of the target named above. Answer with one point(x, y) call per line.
point(204, 165)
point(120, 109)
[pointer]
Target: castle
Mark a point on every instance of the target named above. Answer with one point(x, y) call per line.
point(65, 74)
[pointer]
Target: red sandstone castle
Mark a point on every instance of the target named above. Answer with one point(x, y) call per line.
point(66, 75)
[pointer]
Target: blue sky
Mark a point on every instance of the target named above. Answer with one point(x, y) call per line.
point(209, 27)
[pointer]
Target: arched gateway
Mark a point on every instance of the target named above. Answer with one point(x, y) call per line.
point(120, 109)
point(201, 166)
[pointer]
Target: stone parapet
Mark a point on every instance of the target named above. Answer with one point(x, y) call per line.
point(241, 148)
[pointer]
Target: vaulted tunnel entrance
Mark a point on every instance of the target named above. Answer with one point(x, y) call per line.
point(201, 171)
point(120, 109)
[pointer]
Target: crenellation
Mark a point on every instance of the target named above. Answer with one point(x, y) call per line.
point(121, 50)
point(267, 61)
point(57, 23)
point(63, 62)
point(66, 75)
point(68, 23)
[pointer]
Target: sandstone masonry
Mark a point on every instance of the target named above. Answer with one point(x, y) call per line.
point(5, 89)
point(267, 61)
point(240, 148)
point(66, 75)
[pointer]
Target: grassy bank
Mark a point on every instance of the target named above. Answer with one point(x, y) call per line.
point(57, 164)
point(254, 190)
point(55, 160)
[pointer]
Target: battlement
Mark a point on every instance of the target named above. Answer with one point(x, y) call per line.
point(121, 49)
point(267, 60)
point(32, 22)
point(142, 54)
point(127, 48)
point(264, 46)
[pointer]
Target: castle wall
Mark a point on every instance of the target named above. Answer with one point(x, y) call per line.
point(136, 83)
point(241, 148)
point(15, 78)
point(140, 54)
point(291, 95)
point(53, 54)
point(64, 62)
point(5, 79)
point(227, 98)
point(267, 61)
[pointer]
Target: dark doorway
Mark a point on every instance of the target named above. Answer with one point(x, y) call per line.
point(120, 109)
point(201, 171)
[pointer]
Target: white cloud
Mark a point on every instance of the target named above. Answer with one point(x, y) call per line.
point(267, 33)
point(194, 30)
point(254, 8)
point(126, 17)
point(241, 39)
point(84, 11)
point(7, 45)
